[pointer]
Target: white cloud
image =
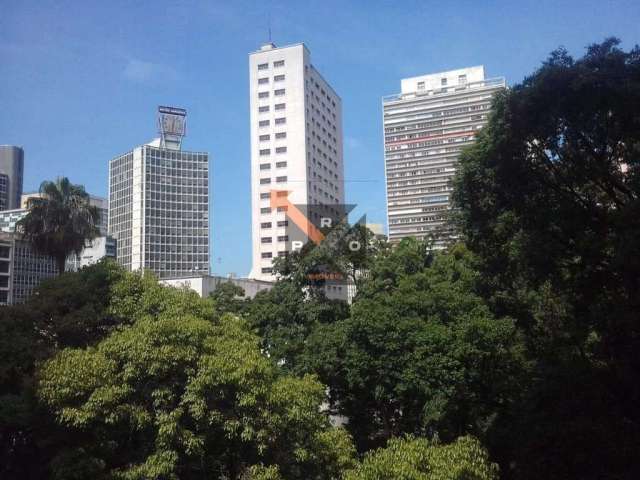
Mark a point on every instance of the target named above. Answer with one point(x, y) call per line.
point(144, 72)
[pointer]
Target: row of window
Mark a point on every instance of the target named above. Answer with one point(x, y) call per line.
point(265, 80)
point(276, 93)
point(278, 136)
point(276, 64)
point(277, 107)
point(267, 181)
point(277, 121)
point(281, 238)
point(281, 253)
point(265, 210)
point(267, 151)
point(280, 223)
point(391, 157)
point(267, 166)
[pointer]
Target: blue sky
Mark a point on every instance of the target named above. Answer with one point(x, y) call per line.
point(80, 81)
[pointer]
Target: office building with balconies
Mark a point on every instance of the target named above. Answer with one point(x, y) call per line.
point(426, 126)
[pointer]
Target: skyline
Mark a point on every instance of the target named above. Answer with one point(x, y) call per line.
point(63, 60)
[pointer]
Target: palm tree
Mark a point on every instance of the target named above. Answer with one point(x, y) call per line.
point(60, 221)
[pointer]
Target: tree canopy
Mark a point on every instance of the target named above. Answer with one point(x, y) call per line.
point(60, 221)
point(548, 198)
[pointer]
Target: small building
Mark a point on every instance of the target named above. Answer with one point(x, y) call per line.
point(204, 285)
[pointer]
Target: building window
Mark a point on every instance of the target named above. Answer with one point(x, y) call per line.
point(265, 151)
point(420, 85)
point(265, 196)
point(281, 149)
point(266, 254)
point(283, 223)
point(265, 166)
point(265, 181)
point(278, 63)
point(279, 106)
point(283, 238)
point(263, 95)
point(279, 92)
point(263, 109)
point(443, 82)
point(282, 253)
point(281, 164)
point(281, 135)
point(263, 66)
point(263, 80)
point(281, 121)
point(267, 270)
point(266, 240)
point(278, 78)
point(265, 210)
point(264, 138)
point(265, 225)
point(281, 179)
point(282, 209)
point(263, 123)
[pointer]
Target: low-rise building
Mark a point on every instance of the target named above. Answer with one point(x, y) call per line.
point(204, 285)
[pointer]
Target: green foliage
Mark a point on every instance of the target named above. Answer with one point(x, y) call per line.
point(549, 199)
point(229, 298)
point(419, 459)
point(139, 295)
point(60, 221)
point(421, 353)
point(176, 396)
point(285, 316)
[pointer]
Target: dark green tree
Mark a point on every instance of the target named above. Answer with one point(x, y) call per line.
point(420, 353)
point(60, 221)
point(549, 202)
point(229, 298)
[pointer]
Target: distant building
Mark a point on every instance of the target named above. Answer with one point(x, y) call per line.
point(296, 146)
point(11, 176)
point(101, 203)
point(425, 127)
point(204, 285)
point(99, 248)
point(21, 269)
point(159, 204)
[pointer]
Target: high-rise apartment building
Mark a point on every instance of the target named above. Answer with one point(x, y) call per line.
point(296, 145)
point(11, 176)
point(425, 127)
point(159, 204)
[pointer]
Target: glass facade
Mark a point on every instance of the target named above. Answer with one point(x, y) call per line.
point(159, 207)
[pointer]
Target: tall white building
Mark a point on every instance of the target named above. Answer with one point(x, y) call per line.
point(425, 127)
point(159, 204)
point(296, 145)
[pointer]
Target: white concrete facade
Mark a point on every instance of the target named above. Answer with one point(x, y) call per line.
point(425, 127)
point(296, 145)
point(207, 284)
